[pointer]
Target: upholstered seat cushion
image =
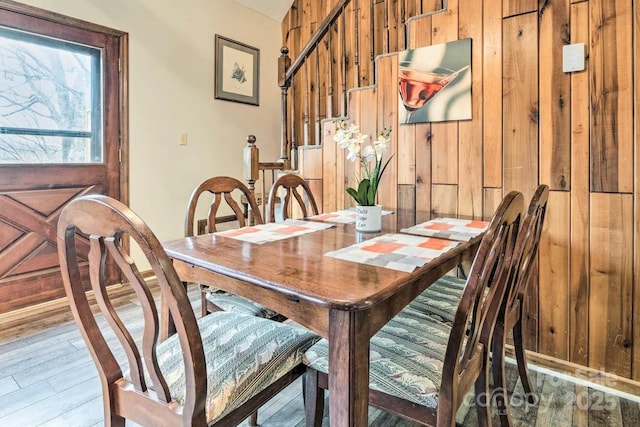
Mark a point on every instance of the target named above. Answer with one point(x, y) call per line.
point(440, 300)
point(406, 358)
point(235, 304)
point(244, 355)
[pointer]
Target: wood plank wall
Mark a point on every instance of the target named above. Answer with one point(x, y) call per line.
point(532, 123)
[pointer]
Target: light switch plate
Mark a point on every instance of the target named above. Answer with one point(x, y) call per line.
point(573, 57)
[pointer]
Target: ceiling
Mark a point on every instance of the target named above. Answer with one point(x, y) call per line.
point(275, 9)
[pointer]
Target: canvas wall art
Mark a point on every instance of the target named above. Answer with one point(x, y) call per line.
point(434, 83)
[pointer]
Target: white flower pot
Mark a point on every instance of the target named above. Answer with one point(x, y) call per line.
point(369, 218)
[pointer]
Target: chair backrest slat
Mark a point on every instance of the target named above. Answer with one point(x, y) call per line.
point(220, 186)
point(291, 184)
point(100, 247)
point(527, 247)
point(108, 222)
point(478, 308)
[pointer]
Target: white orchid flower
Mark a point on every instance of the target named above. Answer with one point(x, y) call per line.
point(369, 153)
point(380, 146)
point(349, 137)
point(353, 150)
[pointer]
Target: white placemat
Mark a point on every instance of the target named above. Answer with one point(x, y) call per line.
point(449, 228)
point(343, 217)
point(396, 251)
point(271, 232)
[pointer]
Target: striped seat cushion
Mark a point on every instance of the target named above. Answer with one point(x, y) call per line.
point(244, 355)
point(235, 304)
point(440, 300)
point(406, 358)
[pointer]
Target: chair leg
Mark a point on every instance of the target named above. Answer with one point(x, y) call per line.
point(313, 399)
point(203, 300)
point(499, 377)
point(253, 419)
point(114, 421)
point(483, 399)
point(111, 419)
point(521, 358)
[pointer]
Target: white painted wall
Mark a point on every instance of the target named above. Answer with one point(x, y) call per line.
point(171, 89)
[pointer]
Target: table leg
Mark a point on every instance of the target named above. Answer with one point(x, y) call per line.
point(348, 369)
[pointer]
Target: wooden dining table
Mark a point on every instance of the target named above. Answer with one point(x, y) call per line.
point(345, 302)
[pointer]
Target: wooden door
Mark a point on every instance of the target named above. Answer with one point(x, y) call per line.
point(80, 156)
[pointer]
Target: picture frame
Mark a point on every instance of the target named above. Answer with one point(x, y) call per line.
point(435, 82)
point(237, 71)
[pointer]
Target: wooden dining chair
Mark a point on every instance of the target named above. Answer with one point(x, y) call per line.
point(511, 313)
point(223, 188)
point(214, 371)
point(441, 301)
point(421, 368)
point(293, 185)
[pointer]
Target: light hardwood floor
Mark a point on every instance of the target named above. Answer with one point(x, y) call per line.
point(47, 378)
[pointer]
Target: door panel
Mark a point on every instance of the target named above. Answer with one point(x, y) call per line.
point(33, 195)
point(29, 268)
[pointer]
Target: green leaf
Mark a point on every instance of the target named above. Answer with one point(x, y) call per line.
point(353, 193)
point(371, 196)
point(363, 190)
point(385, 167)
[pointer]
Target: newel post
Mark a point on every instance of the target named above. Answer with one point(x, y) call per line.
point(251, 159)
point(284, 62)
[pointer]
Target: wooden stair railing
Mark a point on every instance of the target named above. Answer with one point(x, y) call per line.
point(254, 169)
point(339, 55)
point(286, 73)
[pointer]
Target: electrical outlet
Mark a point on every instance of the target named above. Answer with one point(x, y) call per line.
point(182, 138)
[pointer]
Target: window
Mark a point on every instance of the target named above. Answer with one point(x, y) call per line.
point(50, 100)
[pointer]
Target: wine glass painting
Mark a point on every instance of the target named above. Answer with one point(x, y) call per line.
point(434, 83)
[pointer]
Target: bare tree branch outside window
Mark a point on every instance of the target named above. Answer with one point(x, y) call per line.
point(47, 100)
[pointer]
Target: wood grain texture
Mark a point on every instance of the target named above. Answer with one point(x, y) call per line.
point(539, 125)
point(355, 369)
point(553, 286)
point(470, 170)
point(610, 292)
point(444, 200)
point(406, 156)
point(555, 161)
point(284, 274)
point(492, 198)
point(518, 7)
point(387, 116)
point(520, 98)
point(323, 84)
point(364, 43)
point(380, 39)
point(420, 32)
point(311, 162)
point(331, 169)
point(40, 402)
point(611, 96)
point(492, 92)
point(406, 197)
point(579, 244)
point(351, 169)
point(636, 198)
point(423, 167)
point(444, 135)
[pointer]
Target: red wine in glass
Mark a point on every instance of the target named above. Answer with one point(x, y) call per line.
point(417, 87)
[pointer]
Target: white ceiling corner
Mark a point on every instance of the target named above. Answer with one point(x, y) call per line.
point(274, 9)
